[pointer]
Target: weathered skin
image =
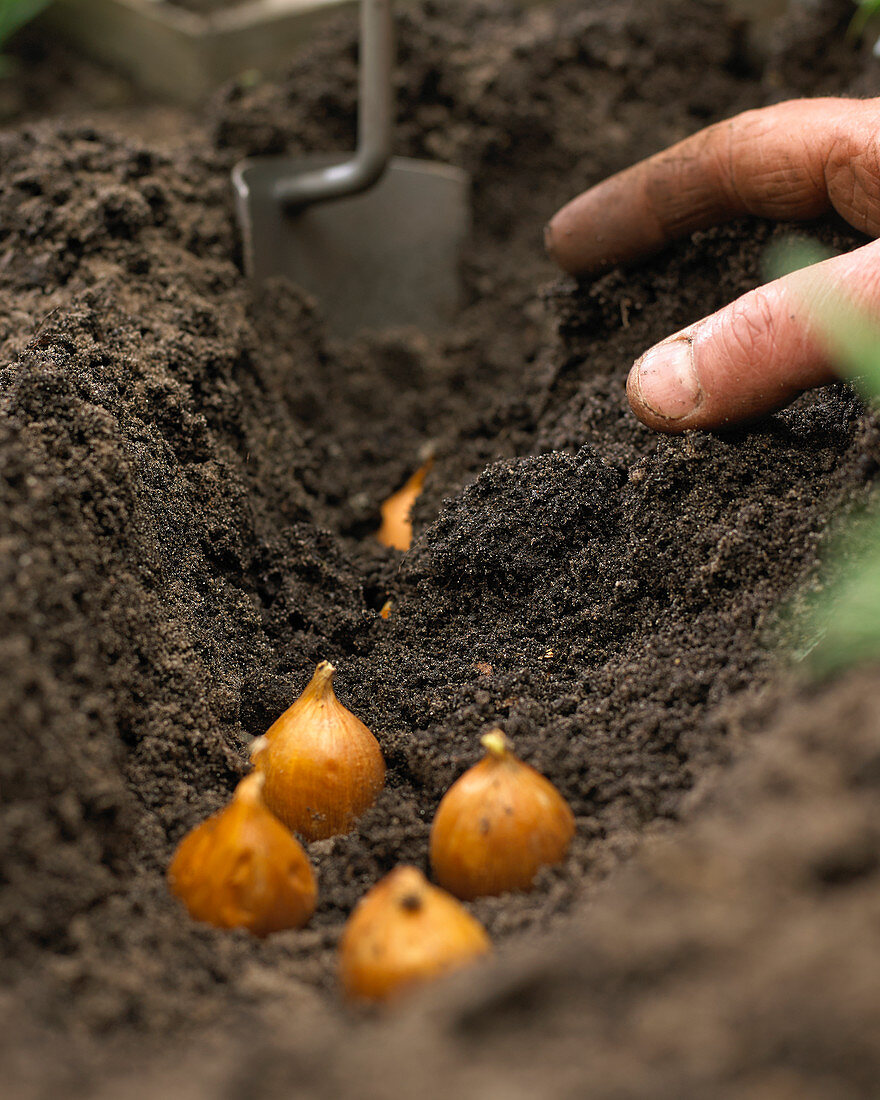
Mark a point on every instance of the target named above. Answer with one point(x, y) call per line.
point(794, 161)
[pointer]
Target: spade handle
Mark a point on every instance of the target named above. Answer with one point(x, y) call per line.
point(374, 120)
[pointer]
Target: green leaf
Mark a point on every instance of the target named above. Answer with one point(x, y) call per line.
point(15, 13)
point(866, 10)
point(842, 627)
point(851, 333)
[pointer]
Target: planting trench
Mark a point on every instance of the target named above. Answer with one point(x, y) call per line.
point(190, 478)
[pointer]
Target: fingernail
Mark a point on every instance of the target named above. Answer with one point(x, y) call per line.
point(666, 380)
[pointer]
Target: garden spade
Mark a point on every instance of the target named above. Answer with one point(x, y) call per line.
point(375, 238)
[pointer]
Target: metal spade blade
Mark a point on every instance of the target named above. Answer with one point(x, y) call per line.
point(376, 239)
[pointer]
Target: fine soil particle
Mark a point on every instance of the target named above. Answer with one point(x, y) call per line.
point(190, 475)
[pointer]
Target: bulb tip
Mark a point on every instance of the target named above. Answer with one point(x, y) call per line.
point(495, 743)
point(321, 684)
point(251, 787)
point(257, 747)
point(409, 887)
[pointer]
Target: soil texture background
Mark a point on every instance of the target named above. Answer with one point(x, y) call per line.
point(190, 475)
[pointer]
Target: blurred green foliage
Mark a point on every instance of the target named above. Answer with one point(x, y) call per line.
point(865, 12)
point(841, 624)
point(842, 627)
point(13, 15)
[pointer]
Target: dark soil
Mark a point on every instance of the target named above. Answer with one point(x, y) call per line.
point(189, 478)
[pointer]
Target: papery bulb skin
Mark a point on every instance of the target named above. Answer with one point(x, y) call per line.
point(403, 933)
point(243, 869)
point(396, 530)
point(497, 825)
point(323, 767)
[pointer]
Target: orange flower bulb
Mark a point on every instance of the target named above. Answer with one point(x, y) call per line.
point(403, 933)
point(323, 767)
point(243, 869)
point(497, 825)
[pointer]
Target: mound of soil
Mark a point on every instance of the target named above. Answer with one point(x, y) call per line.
point(190, 475)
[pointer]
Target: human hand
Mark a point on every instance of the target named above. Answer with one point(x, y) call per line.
point(793, 161)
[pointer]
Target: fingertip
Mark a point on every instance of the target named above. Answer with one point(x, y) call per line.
point(558, 242)
point(664, 388)
point(572, 240)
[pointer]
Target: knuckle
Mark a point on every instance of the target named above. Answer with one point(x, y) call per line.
point(770, 169)
point(751, 328)
point(852, 178)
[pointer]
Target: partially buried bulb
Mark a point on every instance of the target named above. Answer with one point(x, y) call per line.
point(404, 932)
point(243, 869)
point(497, 825)
point(323, 767)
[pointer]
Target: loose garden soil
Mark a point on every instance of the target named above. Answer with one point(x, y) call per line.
point(190, 476)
